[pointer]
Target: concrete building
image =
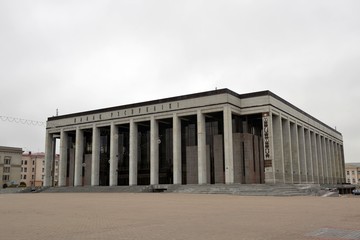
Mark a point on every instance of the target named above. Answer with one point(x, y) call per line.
point(10, 165)
point(352, 171)
point(204, 138)
point(33, 169)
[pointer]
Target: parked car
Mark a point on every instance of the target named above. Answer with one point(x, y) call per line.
point(356, 191)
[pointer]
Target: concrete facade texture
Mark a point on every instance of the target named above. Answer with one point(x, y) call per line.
point(352, 172)
point(160, 216)
point(10, 165)
point(33, 169)
point(193, 139)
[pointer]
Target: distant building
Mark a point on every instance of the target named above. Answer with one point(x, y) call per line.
point(352, 173)
point(203, 138)
point(33, 169)
point(10, 165)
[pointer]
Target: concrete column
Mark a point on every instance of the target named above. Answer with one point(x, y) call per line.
point(268, 148)
point(309, 165)
point(95, 161)
point(333, 160)
point(320, 158)
point(228, 146)
point(302, 155)
point(49, 158)
point(339, 162)
point(63, 158)
point(177, 150)
point(336, 161)
point(201, 141)
point(114, 154)
point(295, 152)
point(328, 155)
point(288, 168)
point(343, 177)
point(278, 149)
point(154, 151)
point(324, 155)
point(79, 152)
point(314, 158)
point(133, 158)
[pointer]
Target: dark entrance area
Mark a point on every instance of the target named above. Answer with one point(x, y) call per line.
point(165, 151)
point(70, 158)
point(143, 153)
point(104, 167)
point(215, 147)
point(123, 155)
point(248, 149)
point(189, 150)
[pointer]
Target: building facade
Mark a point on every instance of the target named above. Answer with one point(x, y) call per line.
point(204, 138)
point(352, 171)
point(33, 169)
point(10, 166)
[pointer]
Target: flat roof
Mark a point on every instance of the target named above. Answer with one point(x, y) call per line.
point(190, 96)
point(10, 149)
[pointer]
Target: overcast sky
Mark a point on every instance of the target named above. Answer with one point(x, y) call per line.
point(84, 55)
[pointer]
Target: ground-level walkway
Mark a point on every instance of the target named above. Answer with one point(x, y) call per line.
point(176, 216)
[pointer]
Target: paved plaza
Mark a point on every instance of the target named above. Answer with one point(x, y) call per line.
point(175, 216)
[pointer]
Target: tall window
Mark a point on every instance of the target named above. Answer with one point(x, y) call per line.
point(7, 160)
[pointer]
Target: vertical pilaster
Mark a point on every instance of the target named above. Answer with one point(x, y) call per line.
point(177, 150)
point(201, 141)
point(228, 146)
point(295, 152)
point(328, 154)
point(133, 158)
point(288, 168)
point(341, 170)
point(269, 164)
point(314, 158)
point(337, 173)
point(63, 158)
point(309, 165)
point(114, 153)
point(154, 151)
point(325, 161)
point(49, 158)
point(320, 158)
point(79, 152)
point(333, 161)
point(302, 154)
point(95, 156)
point(278, 149)
point(343, 177)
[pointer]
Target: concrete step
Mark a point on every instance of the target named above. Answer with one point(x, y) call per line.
point(235, 189)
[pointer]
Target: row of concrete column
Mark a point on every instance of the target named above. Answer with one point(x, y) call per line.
point(133, 143)
point(302, 155)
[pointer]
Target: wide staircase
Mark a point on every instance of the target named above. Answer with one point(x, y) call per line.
point(250, 189)
point(234, 189)
point(99, 189)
